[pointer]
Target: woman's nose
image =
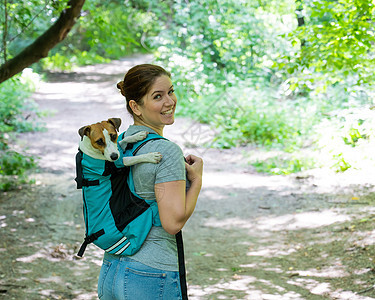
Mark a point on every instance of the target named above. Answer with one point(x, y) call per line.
point(170, 100)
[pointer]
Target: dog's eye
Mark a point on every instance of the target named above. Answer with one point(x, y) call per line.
point(100, 142)
point(113, 137)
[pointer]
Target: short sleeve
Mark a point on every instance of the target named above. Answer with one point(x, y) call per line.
point(172, 165)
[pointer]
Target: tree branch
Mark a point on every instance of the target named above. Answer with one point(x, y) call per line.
point(43, 44)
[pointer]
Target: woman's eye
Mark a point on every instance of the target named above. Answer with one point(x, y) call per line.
point(158, 96)
point(171, 92)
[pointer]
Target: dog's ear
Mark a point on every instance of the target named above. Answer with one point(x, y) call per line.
point(116, 122)
point(85, 130)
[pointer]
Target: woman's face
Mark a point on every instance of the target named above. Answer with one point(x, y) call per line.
point(159, 104)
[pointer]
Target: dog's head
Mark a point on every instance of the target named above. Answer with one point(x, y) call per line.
point(103, 137)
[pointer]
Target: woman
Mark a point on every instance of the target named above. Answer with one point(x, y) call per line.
point(152, 273)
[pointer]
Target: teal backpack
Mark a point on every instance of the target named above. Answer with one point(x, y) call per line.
point(117, 220)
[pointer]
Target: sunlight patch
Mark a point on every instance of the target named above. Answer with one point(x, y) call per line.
point(301, 220)
point(329, 272)
point(228, 223)
point(348, 295)
point(2, 222)
point(315, 287)
point(238, 285)
point(271, 252)
point(55, 279)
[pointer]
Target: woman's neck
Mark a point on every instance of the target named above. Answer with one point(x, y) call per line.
point(158, 130)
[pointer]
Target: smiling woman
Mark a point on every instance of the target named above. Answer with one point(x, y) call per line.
point(150, 96)
point(156, 271)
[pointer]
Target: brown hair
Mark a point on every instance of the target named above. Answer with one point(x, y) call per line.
point(138, 81)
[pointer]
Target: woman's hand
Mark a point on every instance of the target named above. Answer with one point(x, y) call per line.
point(194, 168)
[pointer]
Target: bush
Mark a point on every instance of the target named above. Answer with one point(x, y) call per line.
point(18, 113)
point(252, 111)
point(347, 138)
point(284, 165)
point(13, 166)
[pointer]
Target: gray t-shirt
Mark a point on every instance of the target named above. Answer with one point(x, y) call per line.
point(159, 249)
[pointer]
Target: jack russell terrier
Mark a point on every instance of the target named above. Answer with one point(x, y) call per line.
point(99, 141)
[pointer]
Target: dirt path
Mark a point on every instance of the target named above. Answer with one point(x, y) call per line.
point(251, 237)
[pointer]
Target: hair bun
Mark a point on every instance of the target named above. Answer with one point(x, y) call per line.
point(120, 86)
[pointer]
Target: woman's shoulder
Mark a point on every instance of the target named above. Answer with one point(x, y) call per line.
point(163, 146)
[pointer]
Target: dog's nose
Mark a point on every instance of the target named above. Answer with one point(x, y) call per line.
point(114, 156)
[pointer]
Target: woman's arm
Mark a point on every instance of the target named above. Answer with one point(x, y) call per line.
point(174, 203)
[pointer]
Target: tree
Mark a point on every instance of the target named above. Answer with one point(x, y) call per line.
point(44, 43)
point(335, 42)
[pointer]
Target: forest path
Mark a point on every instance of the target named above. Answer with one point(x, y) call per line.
point(252, 236)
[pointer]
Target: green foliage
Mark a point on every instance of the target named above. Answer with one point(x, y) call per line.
point(26, 21)
point(335, 43)
point(353, 136)
point(251, 113)
point(218, 38)
point(340, 164)
point(284, 165)
point(13, 166)
point(18, 113)
point(14, 106)
point(346, 139)
point(106, 30)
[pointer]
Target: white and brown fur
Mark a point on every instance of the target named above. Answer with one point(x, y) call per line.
point(99, 141)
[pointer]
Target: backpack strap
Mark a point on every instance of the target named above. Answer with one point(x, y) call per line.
point(79, 174)
point(134, 147)
point(181, 264)
point(88, 240)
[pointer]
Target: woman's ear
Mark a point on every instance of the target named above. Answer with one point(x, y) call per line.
point(135, 108)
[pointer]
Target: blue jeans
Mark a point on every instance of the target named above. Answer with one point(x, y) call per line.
point(124, 278)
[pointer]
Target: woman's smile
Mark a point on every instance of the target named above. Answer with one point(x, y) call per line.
point(168, 112)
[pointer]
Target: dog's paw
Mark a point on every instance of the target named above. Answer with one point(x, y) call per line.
point(139, 136)
point(154, 157)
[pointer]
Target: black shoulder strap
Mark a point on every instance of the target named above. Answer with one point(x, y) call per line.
point(145, 142)
point(79, 175)
point(181, 265)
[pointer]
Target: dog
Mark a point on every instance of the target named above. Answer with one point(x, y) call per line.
point(99, 141)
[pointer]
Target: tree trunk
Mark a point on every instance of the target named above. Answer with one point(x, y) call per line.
point(43, 44)
point(300, 19)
